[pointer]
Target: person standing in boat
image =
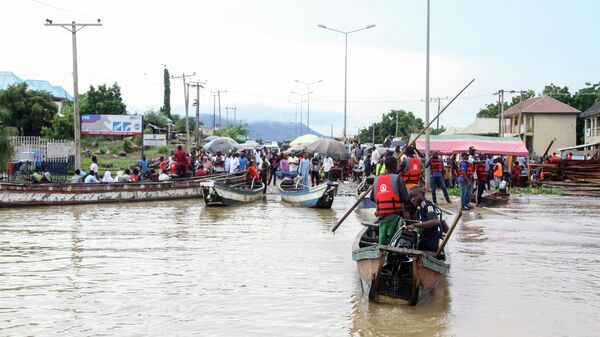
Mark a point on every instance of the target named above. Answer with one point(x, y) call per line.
point(234, 164)
point(264, 169)
point(315, 169)
point(432, 225)
point(180, 158)
point(390, 196)
point(410, 168)
point(144, 167)
point(94, 164)
point(293, 161)
point(304, 170)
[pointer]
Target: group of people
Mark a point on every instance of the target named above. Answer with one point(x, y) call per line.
point(396, 202)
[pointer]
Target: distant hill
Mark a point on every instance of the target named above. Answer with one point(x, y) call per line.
point(268, 130)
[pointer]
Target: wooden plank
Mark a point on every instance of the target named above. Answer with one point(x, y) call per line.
point(406, 251)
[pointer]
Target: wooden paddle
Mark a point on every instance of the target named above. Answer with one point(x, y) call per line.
point(441, 248)
point(360, 198)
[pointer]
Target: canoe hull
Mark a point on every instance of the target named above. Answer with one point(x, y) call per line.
point(407, 282)
point(216, 194)
point(320, 196)
point(15, 195)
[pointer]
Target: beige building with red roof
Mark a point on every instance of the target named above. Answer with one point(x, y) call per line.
point(542, 119)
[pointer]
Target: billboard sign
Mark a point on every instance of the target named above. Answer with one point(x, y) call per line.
point(111, 125)
point(155, 140)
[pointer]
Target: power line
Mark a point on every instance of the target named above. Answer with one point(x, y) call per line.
point(61, 9)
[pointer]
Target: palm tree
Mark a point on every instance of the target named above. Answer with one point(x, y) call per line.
point(6, 151)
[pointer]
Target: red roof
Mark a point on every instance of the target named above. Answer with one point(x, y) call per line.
point(541, 105)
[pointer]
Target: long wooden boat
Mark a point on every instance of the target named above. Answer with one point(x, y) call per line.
point(233, 191)
point(320, 196)
point(396, 275)
point(14, 195)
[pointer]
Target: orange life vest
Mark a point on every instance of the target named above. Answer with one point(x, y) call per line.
point(480, 169)
point(469, 170)
point(413, 174)
point(387, 196)
point(436, 165)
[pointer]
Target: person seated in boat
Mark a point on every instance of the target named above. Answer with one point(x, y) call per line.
point(164, 175)
point(107, 178)
point(200, 172)
point(390, 196)
point(432, 225)
point(135, 176)
point(124, 177)
point(252, 172)
point(77, 178)
point(152, 175)
point(91, 178)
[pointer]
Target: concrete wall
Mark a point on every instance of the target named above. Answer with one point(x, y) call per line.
point(549, 126)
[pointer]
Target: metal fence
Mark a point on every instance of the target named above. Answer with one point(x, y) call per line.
point(36, 154)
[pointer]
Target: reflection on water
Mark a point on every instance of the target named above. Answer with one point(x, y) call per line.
point(177, 268)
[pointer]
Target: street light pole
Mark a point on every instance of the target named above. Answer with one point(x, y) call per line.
point(301, 101)
point(74, 27)
point(345, 66)
point(308, 84)
point(198, 85)
point(428, 133)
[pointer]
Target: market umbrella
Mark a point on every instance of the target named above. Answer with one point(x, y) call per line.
point(331, 147)
point(304, 140)
point(209, 138)
point(222, 144)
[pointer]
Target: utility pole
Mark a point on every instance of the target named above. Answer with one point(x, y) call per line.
point(186, 94)
point(331, 131)
point(74, 27)
point(500, 113)
point(198, 85)
point(428, 132)
point(214, 111)
point(234, 115)
point(308, 92)
point(226, 115)
point(438, 100)
point(374, 135)
point(218, 93)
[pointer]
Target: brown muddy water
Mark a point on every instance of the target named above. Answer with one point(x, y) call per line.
point(267, 269)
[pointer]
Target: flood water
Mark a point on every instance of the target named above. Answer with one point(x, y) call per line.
point(267, 269)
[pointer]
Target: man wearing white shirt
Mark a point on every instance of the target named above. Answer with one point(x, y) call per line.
point(235, 163)
point(94, 165)
point(294, 163)
point(327, 166)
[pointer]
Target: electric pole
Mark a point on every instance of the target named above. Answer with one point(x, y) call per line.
point(214, 110)
point(186, 94)
point(198, 85)
point(74, 27)
point(218, 93)
point(438, 100)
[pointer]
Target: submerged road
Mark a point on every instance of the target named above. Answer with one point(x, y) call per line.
point(180, 269)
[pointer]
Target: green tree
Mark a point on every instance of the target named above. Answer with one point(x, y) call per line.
point(27, 110)
point(6, 151)
point(103, 101)
point(235, 131)
point(61, 124)
point(156, 118)
point(407, 124)
point(166, 108)
point(491, 110)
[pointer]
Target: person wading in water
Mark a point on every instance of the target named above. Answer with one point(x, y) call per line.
point(390, 197)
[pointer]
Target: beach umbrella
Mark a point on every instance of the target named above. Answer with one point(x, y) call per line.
point(331, 147)
point(304, 140)
point(221, 144)
point(209, 138)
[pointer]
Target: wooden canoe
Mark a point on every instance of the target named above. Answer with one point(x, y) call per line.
point(320, 196)
point(232, 191)
point(495, 199)
point(15, 195)
point(395, 275)
point(366, 206)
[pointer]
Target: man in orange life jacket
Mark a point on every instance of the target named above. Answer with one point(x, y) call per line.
point(390, 197)
point(437, 176)
point(410, 168)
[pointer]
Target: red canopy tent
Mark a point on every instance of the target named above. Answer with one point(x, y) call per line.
point(454, 144)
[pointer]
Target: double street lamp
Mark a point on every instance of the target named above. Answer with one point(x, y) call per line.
point(302, 100)
point(345, 64)
point(308, 92)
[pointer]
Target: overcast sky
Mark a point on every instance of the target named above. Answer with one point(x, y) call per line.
point(256, 49)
